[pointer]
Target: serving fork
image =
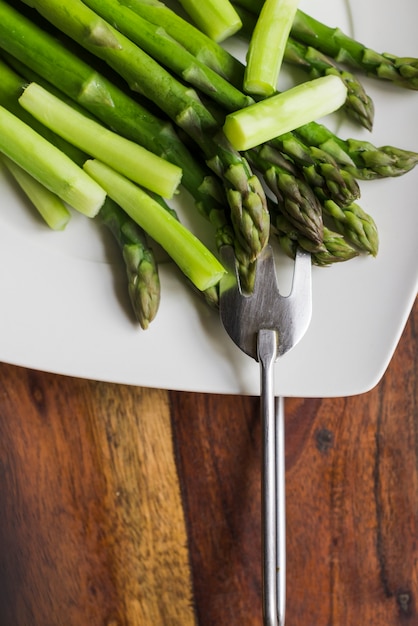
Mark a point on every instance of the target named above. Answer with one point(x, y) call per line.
point(266, 325)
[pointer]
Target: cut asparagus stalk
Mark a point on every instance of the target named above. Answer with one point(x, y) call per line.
point(246, 197)
point(153, 39)
point(187, 251)
point(267, 46)
point(127, 157)
point(402, 71)
point(284, 112)
point(217, 18)
point(48, 165)
point(191, 38)
point(51, 208)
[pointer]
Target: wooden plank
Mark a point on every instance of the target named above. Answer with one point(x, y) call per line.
point(352, 502)
point(92, 529)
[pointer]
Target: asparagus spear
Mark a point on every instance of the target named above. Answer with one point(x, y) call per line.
point(194, 259)
point(267, 45)
point(360, 158)
point(284, 112)
point(334, 248)
point(141, 267)
point(41, 54)
point(402, 71)
point(245, 195)
point(294, 196)
point(355, 224)
point(157, 43)
point(338, 184)
point(327, 179)
point(358, 105)
point(48, 165)
point(127, 157)
point(325, 175)
point(191, 38)
point(217, 18)
point(48, 204)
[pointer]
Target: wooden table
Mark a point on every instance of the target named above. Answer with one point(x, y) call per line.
point(125, 506)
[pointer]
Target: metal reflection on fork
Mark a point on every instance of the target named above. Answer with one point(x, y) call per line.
point(265, 325)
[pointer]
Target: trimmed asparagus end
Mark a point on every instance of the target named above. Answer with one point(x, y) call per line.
point(284, 112)
point(217, 18)
point(48, 165)
point(49, 206)
point(187, 251)
point(267, 46)
point(124, 155)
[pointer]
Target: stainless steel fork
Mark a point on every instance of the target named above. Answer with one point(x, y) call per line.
point(265, 325)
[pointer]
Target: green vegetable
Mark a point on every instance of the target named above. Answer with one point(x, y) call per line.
point(267, 46)
point(355, 224)
point(37, 53)
point(153, 39)
point(127, 157)
point(188, 252)
point(358, 105)
point(360, 158)
point(217, 18)
point(48, 165)
point(191, 38)
point(245, 195)
point(295, 197)
point(141, 267)
point(284, 112)
point(402, 71)
point(333, 249)
point(48, 204)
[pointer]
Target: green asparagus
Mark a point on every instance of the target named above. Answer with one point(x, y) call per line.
point(267, 46)
point(141, 267)
point(402, 71)
point(245, 195)
point(360, 158)
point(48, 165)
point(41, 54)
point(158, 44)
point(333, 249)
point(217, 18)
point(191, 38)
point(284, 112)
point(321, 171)
point(194, 259)
point(127, 157)
point(140, 264)
point(51, 208)
point(355, 224)
point(295, 197)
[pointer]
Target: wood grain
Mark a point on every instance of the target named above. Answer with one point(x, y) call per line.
point(352, 502)
point(92, 529)
point(124, 506)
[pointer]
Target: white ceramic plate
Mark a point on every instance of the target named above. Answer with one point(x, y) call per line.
point(64, 307)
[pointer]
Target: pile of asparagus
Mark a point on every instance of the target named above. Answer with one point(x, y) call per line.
point(130, 99)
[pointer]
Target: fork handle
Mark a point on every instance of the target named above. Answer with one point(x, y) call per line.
point(273, 479)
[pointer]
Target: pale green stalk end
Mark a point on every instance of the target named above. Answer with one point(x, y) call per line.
point(48, 165)
point(194, 259)
point(267, 46)
point(51, 208)
point(216, 18)
point(284, 112)
point(125, 156)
